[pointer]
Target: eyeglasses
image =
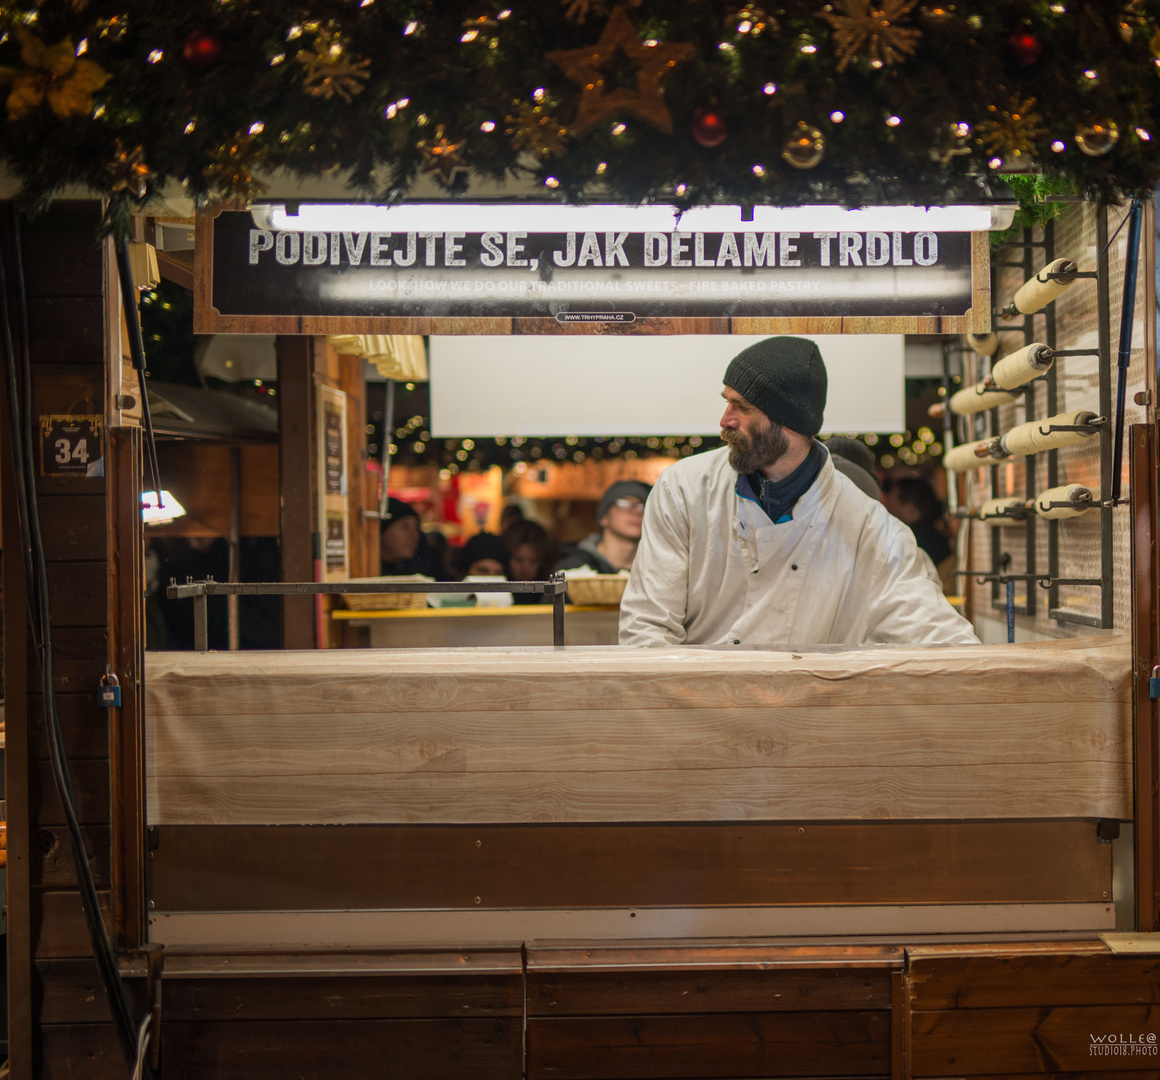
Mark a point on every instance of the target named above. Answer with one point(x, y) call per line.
point(628, 504)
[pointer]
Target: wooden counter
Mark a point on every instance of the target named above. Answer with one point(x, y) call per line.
point(475, 795)
point(453, 627)
point(1040, 730)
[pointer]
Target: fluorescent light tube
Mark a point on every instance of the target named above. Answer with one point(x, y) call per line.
point(533, 217)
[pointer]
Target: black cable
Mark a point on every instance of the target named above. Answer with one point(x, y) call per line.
point(1127, 315)
point(21, 437)
point(136, 349)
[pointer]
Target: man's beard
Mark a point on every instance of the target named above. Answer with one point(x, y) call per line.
point(748, 453)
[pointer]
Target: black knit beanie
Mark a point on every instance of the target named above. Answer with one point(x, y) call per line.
point(785, 378)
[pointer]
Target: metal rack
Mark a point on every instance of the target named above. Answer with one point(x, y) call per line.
point(986, 425)
point(200, 591)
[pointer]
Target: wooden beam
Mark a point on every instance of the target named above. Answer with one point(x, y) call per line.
point(16, 723)
point(1146, 653)
point(296, 392)
point(126, 619)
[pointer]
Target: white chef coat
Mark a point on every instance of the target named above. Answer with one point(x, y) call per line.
point(712, 568)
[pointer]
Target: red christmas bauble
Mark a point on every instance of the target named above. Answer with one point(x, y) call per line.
point(202, 50)
point(708, 127)
point(1025, 47)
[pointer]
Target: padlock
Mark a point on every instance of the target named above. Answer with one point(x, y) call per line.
point(109, 692)
point(1154, 683)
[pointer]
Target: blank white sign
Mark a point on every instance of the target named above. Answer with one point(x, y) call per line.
point(657, 385)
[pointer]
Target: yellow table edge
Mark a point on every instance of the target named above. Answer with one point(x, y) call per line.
point(427, 613)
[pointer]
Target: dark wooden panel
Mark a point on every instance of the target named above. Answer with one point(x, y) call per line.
point(91, 787)
point(343, 1050)
point(73, 527)
point(52, 861)
point(974, 1042)
point(723, 1045)
point(83, 723)
point(79, 657)
point(271, 868)
point(58, 924)
point(342, 997)
point(72, 1051)
point(67, 329)
point(772, 989)
point(78, 593)
point(70, 992)
point(972, 982)
point(55, 262)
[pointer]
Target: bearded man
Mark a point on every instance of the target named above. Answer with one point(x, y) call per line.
point(764, 542)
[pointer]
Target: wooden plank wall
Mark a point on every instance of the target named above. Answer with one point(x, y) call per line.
point(596, 1012)
point(64, 277)
point(412, 736)
point(1032, 1010)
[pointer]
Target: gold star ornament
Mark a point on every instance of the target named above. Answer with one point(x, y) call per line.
point(621, 75)
point(441, 156)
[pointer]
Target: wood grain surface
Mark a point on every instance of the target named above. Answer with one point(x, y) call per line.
point(616, 735)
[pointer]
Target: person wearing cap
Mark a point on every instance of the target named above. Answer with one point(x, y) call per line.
point(402, 548)
point(764, 542)
point(613, 547)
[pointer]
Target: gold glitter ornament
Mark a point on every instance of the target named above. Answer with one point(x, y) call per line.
point(230, 173)
point(129, 171)
point(1011, 132)
point(535, 129)
point(872, 28)
point(330, 71)
point(619, 51)
point(51, 73)
point(805, 148)
point(441, 157)
point(1097, 137)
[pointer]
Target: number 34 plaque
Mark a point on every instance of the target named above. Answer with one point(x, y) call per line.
point(72, 445)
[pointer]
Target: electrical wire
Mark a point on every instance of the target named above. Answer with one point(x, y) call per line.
point(20, 434)
point(136, 349)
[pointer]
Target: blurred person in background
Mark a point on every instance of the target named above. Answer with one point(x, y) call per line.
point(619, 515)
point(484, 555)
point(531, 555)
point(403, 549)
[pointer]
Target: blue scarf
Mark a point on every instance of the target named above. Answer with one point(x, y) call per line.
point(778, 497)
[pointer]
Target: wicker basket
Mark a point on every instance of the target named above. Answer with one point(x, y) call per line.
point(598, 589)
point(386, 601)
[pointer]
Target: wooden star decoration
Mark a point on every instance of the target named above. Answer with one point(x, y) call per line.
point(441, 156)
point(873, 27)
point(590, 68)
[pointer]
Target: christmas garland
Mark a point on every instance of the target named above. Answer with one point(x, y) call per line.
point(690, 101)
